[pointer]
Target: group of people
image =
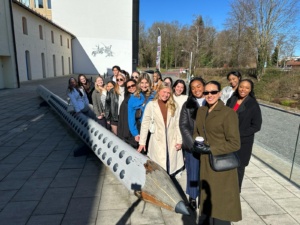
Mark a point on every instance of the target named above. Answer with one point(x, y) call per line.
point(227, 119)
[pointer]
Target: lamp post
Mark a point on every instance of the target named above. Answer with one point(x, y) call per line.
point(190, 67)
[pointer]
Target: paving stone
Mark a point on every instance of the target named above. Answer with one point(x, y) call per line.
point(18, 174)
point(17, 212)
point(29, 194)
point(57, 156)
point(38, 183)
point(279, 219)
point(82, 211)
point(120, 216)
point(294, 189)
point(249, 216)
point(94, 168)
point(255, 197)
point(253, 171)
point(45, 219)
point(114, 197)
point(11, 184)
point(5, 169)
point(30, 163)
point(89, 187)
point(5, 197)
point(47, 169)
point(74, 162)
point(55, 201)
point(272, 187)
point(171, 218)
point(292, 206)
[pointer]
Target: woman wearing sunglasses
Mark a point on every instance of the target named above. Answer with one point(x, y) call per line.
point(135, 75)
point(123, 127)
point(113, 102)
point(218, 124)
point(244, 103)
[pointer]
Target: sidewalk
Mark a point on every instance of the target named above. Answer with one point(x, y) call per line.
point(42, 183)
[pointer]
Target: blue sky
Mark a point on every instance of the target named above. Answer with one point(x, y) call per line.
point(185, 11)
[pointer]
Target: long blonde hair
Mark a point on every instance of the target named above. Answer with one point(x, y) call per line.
point(171, 104)
point(139, 90)
point(96, 86)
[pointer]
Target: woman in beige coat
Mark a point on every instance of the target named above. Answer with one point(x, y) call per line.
point(218, 124)
point(165, 143)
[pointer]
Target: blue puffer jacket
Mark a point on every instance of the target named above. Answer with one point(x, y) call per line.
point(135, 103)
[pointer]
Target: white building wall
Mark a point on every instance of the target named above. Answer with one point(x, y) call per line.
point(103, 30)
point(8, 67)
point(36, 46)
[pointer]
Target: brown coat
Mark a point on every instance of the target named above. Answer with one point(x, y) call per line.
point(220, 196)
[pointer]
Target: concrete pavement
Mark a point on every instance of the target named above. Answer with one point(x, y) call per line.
point(41, 182)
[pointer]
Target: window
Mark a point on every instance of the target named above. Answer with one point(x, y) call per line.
point(54, 65)
point(61, 41)
point(52, 36)
point(41, 32)
point(25, 2)
point(24, 24)
point(69, 60)
point(49, 4)
point(68, 42)
point(43, 65)
point(38, 4)
point(62, 66)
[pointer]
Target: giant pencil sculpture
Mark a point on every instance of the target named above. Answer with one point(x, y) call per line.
point(138, 173)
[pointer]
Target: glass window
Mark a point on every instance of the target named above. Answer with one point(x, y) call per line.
point(49, 4)
point(61, 40)
point(52, 36)
point(25, 2)
point(38, 4)
point(24, 24)
point(41, 32)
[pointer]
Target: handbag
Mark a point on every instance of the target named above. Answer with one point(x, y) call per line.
point(152, 124)
point(224, 162)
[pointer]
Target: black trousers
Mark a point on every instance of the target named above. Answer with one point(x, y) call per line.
point(241, 173)
point(205, 220)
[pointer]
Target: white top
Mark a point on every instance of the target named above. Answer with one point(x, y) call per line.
point(121, 97)
point(180, 100)
point(226, 93)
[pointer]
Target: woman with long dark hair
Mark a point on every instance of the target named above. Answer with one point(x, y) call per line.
point(186, 123)
point(244, 103)
point(87, 85)
point(233, 78)
point(123, 127)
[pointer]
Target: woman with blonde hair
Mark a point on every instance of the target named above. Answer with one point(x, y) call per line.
point(165, 143)
point(113, 102)
point(137, 104)
point(99, 97)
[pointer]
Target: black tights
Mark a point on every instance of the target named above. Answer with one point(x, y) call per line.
point(205, 220)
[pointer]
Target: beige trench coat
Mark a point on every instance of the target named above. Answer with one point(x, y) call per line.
point(163, 138)
point(220, 197)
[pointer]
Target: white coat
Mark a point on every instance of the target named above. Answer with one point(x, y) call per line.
point(164, 138)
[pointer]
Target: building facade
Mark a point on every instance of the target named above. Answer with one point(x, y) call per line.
point(106, 33)
point(42, 7)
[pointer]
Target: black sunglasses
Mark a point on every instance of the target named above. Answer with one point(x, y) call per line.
point(212, 92)
point(120, 80)
point(131, 86)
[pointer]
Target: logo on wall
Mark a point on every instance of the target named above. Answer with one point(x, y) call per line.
point(103, 50)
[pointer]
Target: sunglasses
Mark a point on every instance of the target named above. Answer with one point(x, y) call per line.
point(131, 86)
point(120, 80)
point(211, 92)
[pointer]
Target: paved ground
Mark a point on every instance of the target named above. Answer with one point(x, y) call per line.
point(41, 182)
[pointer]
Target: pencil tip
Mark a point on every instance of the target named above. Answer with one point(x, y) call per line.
point(181, 208)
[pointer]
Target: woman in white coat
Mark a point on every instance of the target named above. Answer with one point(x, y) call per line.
point(165, 143)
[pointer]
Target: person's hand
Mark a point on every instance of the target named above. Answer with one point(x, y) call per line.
point(203, 149)
point(108, 122)
point(178, 147)
point(100, 117)
point(141, 148)
point(137, 138)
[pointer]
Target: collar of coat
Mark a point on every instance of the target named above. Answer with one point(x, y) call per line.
point(191, 103)
point(244, 104)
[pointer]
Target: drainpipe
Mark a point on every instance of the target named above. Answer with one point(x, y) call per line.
point(14, 41)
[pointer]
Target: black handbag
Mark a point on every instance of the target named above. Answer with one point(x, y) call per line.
point(224, 162)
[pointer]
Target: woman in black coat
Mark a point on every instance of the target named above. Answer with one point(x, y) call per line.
point(244, 103)
point(186, 124)
point(123, 127)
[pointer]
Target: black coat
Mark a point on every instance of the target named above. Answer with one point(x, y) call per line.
point(186, 122)
point(123, 127)
point(112, 106)
point(250, 121)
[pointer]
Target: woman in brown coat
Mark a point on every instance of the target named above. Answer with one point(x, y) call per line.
point(218, 124)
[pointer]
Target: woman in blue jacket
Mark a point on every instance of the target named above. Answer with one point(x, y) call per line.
point(137, 104)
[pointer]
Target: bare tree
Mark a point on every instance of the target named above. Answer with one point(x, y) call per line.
point(262, 22)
